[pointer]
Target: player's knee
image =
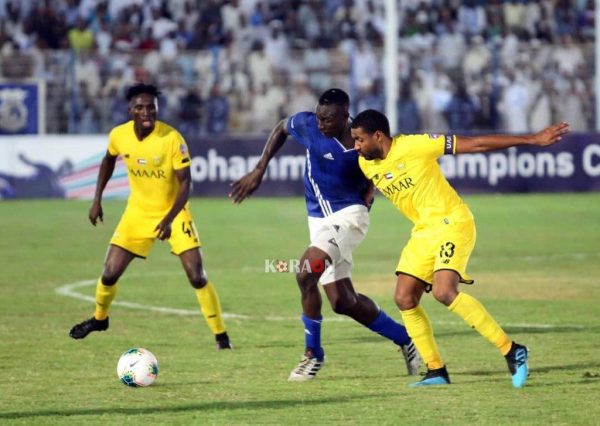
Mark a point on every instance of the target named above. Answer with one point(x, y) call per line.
point(307, 280)
point(109, 279)
point(443, 295)
point(198, 281)
point(110, 275)
point(343, 306)
point(406, 301)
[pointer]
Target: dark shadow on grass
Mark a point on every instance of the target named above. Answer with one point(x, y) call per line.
point(468, 331)
point(284, 404)
point(581, 368)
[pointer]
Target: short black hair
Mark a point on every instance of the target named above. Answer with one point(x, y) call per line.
point(140, 88)
point(334, 97)
point(371, 121)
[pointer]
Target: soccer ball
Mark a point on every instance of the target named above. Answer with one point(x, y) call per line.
point(137, 367)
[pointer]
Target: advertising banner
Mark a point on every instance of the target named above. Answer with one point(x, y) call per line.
point(67, 166)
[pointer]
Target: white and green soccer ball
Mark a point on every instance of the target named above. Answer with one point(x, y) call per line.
point(137, 367)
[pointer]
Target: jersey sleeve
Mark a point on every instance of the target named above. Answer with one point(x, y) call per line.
point(297, 127)
point(428, 145)
point(113, 148)
point(180, 154)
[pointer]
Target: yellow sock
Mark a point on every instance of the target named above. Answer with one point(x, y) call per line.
point(473, 312)
point(105, 294)
point(419, 329)
point(211, 308)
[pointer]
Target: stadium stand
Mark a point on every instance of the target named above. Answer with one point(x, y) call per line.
point(229, 66)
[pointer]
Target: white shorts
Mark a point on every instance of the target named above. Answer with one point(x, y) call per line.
point(338, 235)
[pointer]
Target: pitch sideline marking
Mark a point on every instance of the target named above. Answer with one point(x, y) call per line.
point(68, 290)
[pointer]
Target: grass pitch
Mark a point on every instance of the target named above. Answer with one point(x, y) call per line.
point(536, 264)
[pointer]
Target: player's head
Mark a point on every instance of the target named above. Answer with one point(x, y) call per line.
point(332, 112)
point(143, 105)
point(369, 129)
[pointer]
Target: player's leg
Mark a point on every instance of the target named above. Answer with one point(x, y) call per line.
point(409, 291)
point(454, 249)
point(345, 301)
point(185, 243)
point(207, 296)
point(445, 290)
point(117, 260)
point(310, 297)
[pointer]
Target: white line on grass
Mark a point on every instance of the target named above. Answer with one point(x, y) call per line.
point(69, 290)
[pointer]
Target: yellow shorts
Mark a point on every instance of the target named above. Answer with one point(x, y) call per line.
point(444, 246)
point(135, 232)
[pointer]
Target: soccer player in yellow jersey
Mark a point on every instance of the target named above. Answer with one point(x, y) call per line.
point(405, 170)
point(158, 165)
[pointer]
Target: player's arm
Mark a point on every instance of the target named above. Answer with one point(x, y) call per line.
point(184, 177)
point(242, 188)
point(484, 143)
point(107, 167)
point(369, 195)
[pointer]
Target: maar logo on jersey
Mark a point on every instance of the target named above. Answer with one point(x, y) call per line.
point(143, 173)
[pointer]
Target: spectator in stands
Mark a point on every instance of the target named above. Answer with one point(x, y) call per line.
point(300, 97)
point(277, 47)
point(513, 105)
point(370, 95)
point(540, 112)
point(267, 106)
point(259, 66)
point(409, 116)
point(460, 110)
point(190, 113)
point(565, 17)
point(217, 111)
point(80, 36)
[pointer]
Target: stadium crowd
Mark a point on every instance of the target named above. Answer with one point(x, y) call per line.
point(237, 66)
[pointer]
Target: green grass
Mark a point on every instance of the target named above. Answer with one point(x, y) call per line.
point(536, 263)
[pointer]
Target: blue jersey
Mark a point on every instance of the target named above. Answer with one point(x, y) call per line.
point(332, 178)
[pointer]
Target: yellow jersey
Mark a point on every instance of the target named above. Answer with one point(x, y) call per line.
point(151, 165)
point(413, 181)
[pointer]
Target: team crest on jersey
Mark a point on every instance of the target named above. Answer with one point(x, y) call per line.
point(400, 166)
point(183, 149)
point(142, 161)
point(157, 160)
point(389, 176)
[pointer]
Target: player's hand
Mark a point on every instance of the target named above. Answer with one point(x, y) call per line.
point(241, 189)
point(551, 134)
point(369, 196)
point(96, 213)
point(163, 230)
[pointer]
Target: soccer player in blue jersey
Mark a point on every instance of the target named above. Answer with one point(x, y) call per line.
point(337, 199)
